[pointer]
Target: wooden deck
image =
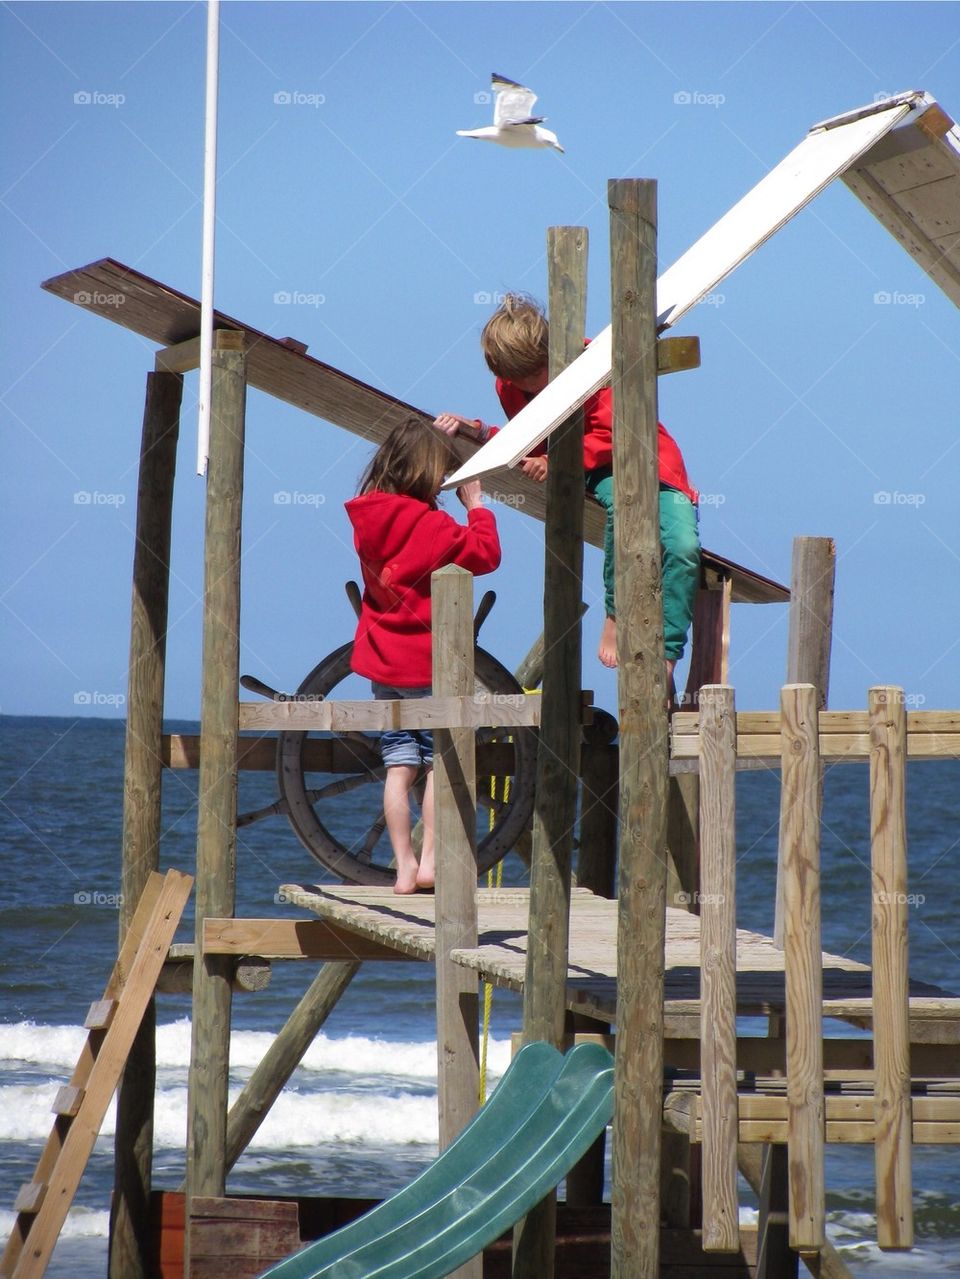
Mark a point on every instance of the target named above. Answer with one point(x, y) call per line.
point(406, 924)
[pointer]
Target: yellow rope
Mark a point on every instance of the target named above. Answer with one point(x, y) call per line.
point(494, 879)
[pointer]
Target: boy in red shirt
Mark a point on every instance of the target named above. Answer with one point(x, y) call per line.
point(515, 344)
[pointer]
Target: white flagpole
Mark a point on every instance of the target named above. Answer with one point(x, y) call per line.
point(209, 233)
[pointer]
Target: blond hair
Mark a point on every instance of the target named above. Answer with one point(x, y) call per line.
point(413, 460)
point(516, 338)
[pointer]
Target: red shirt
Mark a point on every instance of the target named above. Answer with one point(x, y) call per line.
point(598, 435)
point(400, 541)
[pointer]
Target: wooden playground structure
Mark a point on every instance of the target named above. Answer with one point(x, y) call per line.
point(695, 1102)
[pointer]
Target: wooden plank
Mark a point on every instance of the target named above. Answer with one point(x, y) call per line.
point(290, 939)
point(718, 963)
point(829, 723)
point(800, 859)
point(76, 1139)
point(455, 786)
point(942, 267)
point(131, 1238)
point(216, 821)
point(761, 747)
point(710, 640)
point(891, 1009)
point(675, 354)
point(320, 755)
point(558, 751)
point(934, 207)
point(100, 1014)
point(67, 1101)
point(643, 731)
point(471, 710)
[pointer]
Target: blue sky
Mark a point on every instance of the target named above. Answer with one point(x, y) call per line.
point(356, 197)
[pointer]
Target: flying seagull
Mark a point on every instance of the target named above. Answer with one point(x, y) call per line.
point(513, 125)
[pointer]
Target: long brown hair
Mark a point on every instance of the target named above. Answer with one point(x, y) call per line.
point(413, 460)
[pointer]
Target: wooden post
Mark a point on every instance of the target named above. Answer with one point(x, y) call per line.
point(131, 1243)
point(596, 870)
point(635, 1228)
point(800, 841)
point(891, 983)
point(683, 842)
point(718, 967)
point(810, 630)
point(455, 787)
point(812, 575)
point(284, 1056)
point(216, 823)
point(558, 756)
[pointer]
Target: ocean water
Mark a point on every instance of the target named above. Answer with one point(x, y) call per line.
point(359, 1115)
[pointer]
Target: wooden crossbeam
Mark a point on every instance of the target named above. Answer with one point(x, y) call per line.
point(843, 735)
point(291, 939)
point(486, 710)
point(318, 755)
point(935, 1120)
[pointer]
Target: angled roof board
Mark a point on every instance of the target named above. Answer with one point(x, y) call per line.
point(910, 181)
point(164, 315)
point(903, 158)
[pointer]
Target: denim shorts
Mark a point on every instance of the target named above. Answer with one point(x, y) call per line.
point(411, 746)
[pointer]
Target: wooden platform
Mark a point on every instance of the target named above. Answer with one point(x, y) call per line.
point(406, 924)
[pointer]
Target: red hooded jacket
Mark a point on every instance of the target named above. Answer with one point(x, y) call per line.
point(598, 435)
point(400, 541)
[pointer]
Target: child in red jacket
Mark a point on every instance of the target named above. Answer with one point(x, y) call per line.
point(401, 536)
point(515, 345)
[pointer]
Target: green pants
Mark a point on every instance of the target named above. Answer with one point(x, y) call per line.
point(680, 548)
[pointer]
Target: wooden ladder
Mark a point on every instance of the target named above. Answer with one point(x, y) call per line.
point(80, 1106)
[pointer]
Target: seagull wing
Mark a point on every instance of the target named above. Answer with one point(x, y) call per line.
point(514, 102)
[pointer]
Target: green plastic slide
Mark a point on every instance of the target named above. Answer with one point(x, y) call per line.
point(544, 1115)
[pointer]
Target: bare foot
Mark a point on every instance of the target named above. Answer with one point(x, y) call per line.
point(406, 880)
point(425, 884)
point(607, 652)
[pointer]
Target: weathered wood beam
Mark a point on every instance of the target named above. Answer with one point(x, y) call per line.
point(131, 1234)
point(635, 1227)
point(558, 754)
point(890, 963)
point(216, 822)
